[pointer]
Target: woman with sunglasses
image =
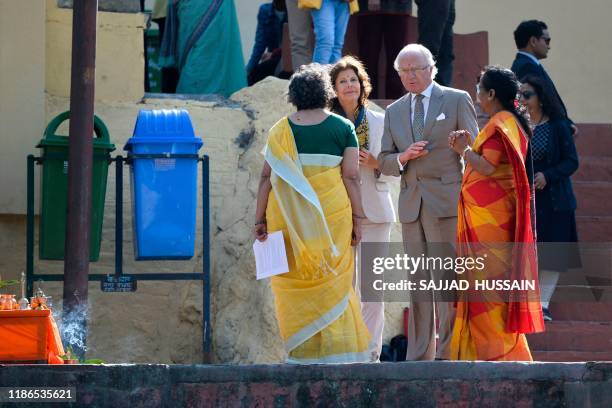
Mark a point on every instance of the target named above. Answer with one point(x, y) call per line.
point(554, 160)
point(494, 223)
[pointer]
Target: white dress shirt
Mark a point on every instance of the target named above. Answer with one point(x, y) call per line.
point(426, 98)
point(533, 58)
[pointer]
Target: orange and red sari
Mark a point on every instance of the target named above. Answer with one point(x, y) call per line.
point(495, 210)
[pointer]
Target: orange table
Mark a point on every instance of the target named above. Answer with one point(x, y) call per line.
point(29, 335)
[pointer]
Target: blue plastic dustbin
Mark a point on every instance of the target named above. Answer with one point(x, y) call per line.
point(164, 189)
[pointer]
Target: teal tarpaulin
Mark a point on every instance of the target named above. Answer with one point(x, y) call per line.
point(202, 40)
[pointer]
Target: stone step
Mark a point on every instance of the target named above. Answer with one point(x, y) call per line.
point(577, 291)
point(594, 140)
point(594, 168)
point(593, 197)
point(594, 228)
point(573, 336)
point(571, 356)
point(406, 384)
point(581, 311)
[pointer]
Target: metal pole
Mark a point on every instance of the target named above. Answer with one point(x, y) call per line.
point(30, 227)
point(207, 326)
point(80, 158)
point(119, 216)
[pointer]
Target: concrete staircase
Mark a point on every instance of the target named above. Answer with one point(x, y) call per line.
point(593, 183)
point(582, 331)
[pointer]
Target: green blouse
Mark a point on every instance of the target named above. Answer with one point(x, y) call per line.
point(331, 136)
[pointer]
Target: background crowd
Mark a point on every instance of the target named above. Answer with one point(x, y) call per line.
point(197, 56)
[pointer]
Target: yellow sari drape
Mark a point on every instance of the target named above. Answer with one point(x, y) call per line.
point(318, 312)
point(494, 210)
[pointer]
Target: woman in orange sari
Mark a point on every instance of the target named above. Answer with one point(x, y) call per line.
point(494, 217)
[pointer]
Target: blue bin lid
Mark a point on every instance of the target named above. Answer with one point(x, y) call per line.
point(163, 126)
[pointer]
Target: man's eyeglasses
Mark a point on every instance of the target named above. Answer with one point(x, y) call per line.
point(414, 71)
point(527, 94)
point(546, 40)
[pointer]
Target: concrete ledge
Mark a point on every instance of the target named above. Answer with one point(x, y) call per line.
point(116, 6)
point(424, 384)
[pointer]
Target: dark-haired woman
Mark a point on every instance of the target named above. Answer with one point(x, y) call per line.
point(309, 190)
point(554, 161)
point(494, 212)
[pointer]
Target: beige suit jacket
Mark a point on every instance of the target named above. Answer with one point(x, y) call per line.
point(434, 179)
point(375, 196)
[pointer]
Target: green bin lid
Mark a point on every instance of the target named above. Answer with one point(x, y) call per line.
point(50, 139)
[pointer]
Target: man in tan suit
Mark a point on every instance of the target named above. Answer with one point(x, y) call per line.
point(415, 146)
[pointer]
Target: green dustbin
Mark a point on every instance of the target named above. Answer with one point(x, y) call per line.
point(55, 186)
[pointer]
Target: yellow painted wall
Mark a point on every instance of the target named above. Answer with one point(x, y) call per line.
point(35, 56)
point(22, 91)
point(580, 57)
point(119, 54)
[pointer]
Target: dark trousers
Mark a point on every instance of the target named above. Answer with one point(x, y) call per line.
point(263, 70)
point(371, 30)
point(169, 76)
point(436, 20)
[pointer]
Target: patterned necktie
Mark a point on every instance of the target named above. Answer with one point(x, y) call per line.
point(418, 123)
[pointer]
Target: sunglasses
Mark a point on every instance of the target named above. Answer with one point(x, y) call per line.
point(527, 94)
point(413, 71)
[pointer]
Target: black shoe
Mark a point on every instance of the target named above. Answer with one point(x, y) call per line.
point(547, 315)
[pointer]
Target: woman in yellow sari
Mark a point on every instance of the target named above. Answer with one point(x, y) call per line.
point(309, 190)
point(495, 217)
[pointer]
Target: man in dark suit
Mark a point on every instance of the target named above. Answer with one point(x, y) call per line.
point(266, 54)
point(533, 42)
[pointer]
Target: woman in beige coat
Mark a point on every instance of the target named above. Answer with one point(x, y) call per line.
point(352, 86)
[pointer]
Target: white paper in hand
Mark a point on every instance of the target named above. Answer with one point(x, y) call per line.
point(270, 256)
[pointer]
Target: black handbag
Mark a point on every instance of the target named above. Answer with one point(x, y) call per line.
point(396, 350)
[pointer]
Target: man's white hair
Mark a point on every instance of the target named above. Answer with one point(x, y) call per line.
point(417, 48)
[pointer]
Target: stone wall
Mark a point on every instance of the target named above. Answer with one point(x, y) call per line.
point(408, 384)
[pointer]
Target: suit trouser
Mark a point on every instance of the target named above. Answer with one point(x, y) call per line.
point(421, 322)
point(436, 19)
point(300, 34)
point(371, 29)
point(373, 312)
